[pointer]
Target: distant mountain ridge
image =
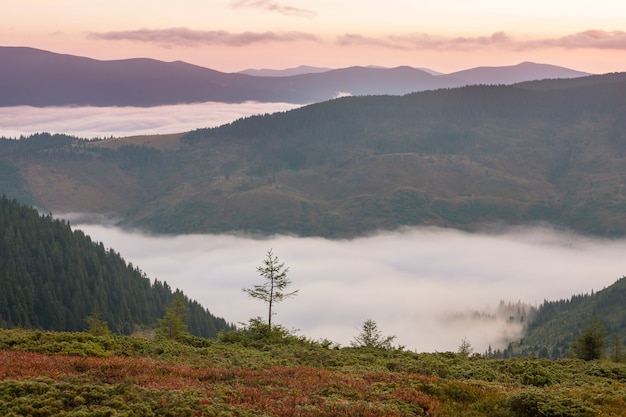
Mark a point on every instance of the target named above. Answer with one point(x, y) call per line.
point(287, 72)
point(35, 77)
point(514, 74)
point(306, 69)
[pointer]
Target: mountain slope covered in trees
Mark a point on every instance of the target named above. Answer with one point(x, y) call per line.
point(53, 278)
point(557, 324)
point(460, 158)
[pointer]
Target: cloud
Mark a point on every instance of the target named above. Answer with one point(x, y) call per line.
point(424, 41)
point(101, 122)
point(187, 37)
point(422, 285)
point(273, 6)
point(591, 39)
point(340, 94)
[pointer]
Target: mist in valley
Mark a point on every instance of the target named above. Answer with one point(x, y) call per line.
point(429, 287)
point(104, 122)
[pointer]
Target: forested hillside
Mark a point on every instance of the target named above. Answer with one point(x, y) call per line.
point(557, 324)
point(541, 152)
point(53, 278)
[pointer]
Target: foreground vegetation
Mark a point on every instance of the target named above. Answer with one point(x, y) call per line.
point(240, 374)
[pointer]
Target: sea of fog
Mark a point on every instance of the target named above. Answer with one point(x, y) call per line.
point(104, 122)
point(420, 284)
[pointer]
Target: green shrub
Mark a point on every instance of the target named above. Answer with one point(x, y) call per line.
point(535, 402)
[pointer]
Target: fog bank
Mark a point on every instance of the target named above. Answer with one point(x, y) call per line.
point(419, 284)
point(104, 122)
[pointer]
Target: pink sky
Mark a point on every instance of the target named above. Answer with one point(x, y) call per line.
point(232, 35)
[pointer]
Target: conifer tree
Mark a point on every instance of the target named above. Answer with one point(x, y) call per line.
point(272, 291)
point(173, 324)
point(591, 343)
point(371, 336)
point(97, 326)
point(465, 348)
point(617, 349)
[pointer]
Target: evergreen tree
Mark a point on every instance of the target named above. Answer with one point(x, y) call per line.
point(97, 326)
point(272, 291)
point(174, 324)
point(465, 348)
point(371, 336)
point(617, 349)
point(591, 343)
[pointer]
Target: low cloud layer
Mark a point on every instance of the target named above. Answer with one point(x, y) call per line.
point(595, 39)
point(272, 6)
point(102, 122)
point(590, 39)
point(187, 37)
point(421, 285)
point(424, 41)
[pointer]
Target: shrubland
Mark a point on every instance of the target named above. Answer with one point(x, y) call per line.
point(247, 373)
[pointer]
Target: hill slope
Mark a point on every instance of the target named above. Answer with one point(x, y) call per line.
point(40, 78)
point(557, 324)
point(53, 278)
point(456, 158)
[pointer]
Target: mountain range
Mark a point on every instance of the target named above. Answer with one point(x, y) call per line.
point(545, 151)
point(40, 78)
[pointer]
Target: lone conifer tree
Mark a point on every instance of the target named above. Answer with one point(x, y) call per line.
point(272, 291)
point(370, 336)
point(465, 348)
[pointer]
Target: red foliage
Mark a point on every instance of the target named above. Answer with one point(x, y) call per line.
point(278, 391)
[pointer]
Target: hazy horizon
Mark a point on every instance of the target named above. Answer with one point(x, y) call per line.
point(419, 284)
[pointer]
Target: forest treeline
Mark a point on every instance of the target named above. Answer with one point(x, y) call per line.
point(54, 278)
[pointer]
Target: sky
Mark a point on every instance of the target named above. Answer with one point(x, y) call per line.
point(233, 35)
point(421, 285)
